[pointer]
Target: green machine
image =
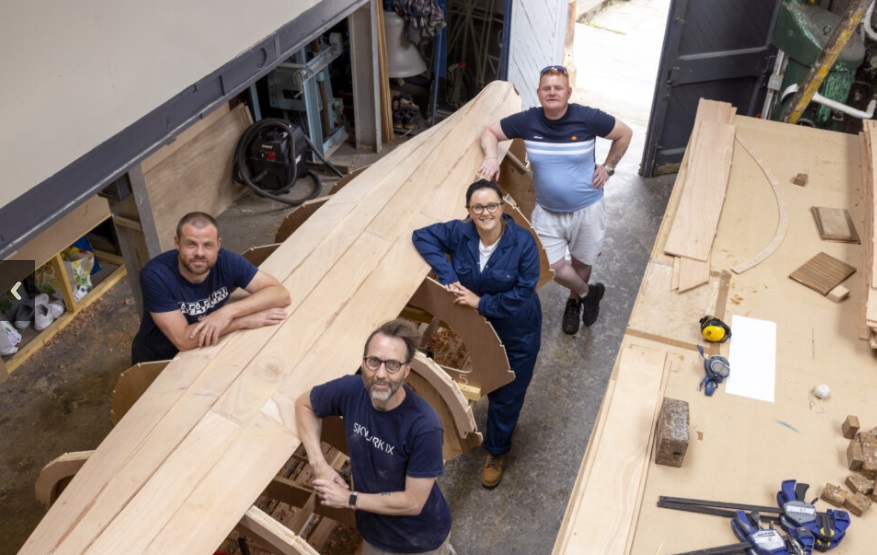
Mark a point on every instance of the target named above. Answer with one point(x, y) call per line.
point(802, 31)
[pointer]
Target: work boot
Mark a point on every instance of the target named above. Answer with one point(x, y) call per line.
point(491, 474)
point(591, 303)
point(571, 316)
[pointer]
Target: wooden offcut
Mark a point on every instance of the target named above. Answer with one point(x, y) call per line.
point(859, 484)
point(857, 503)
point(835, 224)
point(833, 494)
point(855, 457)
point(671, 441)
point(850, 426)
point(822, 273)
point(838, 294)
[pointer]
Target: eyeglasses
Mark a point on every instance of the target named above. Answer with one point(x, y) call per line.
point(558, 69)
point(392, 366)
point(491, 208)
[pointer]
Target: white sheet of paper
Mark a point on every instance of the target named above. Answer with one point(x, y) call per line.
point(753, 358)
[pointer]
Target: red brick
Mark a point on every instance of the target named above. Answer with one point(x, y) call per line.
point(671, 440)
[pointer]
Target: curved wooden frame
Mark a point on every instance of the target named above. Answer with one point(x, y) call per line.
point(490, 365)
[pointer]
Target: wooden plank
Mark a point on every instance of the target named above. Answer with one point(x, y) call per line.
point(601, 510)
point(224, 414)
point(64, 232)
point(835, 224)
point(704, 194)
point(822, 273)
point(197, 175)
point(279, 538)
point(383, 76)
point(692, 273)
point(184, 137)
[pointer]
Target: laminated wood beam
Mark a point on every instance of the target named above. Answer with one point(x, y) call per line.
point(224, 414)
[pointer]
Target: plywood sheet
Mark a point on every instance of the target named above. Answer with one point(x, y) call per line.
point(817, 342)
point(822, 273)
point(197, 176)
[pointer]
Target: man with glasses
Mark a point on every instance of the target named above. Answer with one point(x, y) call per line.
point(395, 442)
point(569, 215)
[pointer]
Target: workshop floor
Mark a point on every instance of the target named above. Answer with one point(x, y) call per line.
point(59, 400)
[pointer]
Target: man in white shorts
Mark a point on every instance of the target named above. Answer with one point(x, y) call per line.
point(569, 214)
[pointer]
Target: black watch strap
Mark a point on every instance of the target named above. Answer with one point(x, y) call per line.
point(352, 500)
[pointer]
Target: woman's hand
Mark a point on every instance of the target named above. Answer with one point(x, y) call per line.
point(462, 295)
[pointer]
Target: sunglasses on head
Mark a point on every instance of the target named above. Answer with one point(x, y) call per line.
point(558, 69)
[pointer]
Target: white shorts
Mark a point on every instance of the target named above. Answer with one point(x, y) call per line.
point(582, 232)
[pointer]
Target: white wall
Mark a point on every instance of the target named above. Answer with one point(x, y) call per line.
point(73, 74)
point(537, 37)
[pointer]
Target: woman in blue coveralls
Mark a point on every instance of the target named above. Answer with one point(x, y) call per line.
point(494, 269)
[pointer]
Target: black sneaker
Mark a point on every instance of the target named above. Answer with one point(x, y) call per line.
point(591, 303)
point(571, 316)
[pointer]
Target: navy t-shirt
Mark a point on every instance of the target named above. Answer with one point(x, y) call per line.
point(166, 290)
point(561, 152)
point(385, 447)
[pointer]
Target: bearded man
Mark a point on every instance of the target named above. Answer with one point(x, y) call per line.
point(395, 442)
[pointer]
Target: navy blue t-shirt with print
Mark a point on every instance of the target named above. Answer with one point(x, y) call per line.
point(166, 290)
point(385, 447)
point(561, 153)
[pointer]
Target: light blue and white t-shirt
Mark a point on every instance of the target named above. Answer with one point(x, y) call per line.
point(561, 153)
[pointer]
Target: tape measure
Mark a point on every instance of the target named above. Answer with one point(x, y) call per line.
point(714, 330)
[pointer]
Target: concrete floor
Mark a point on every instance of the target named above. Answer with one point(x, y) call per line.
point(57, 402)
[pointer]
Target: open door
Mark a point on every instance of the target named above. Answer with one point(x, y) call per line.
point(713, 49)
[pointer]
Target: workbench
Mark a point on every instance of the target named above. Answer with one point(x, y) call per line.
point(741, 449)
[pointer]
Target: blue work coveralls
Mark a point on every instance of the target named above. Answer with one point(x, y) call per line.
point(507, 288)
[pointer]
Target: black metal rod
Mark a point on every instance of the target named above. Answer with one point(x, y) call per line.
point(741, 506)
point(703, 509)
point(722, 550)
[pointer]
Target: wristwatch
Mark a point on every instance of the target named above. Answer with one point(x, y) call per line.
point(609, 170)
point(351, 502)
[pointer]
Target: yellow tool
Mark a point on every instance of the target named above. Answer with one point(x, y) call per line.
point(714, 329)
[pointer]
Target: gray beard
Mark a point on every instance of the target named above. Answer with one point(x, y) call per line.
point(381, 397)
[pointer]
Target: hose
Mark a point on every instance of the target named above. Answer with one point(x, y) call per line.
point(241, 168)
point(866, 23)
